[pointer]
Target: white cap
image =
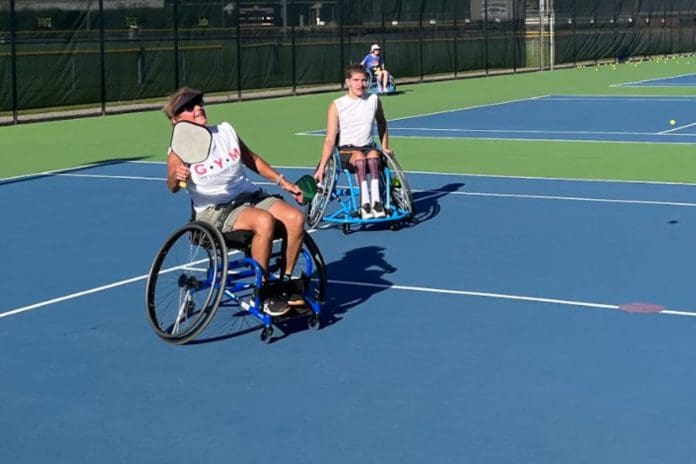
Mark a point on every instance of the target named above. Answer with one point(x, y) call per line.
point(374, 47)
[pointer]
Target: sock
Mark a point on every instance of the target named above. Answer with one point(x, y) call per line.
point(364, 193)
point(374, 188)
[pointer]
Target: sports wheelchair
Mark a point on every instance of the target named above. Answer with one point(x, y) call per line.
point(373, 85)
point(199, 269)
point(394, 190)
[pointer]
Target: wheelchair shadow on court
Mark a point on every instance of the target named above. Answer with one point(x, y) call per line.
point(427, 202)
point(353, 279)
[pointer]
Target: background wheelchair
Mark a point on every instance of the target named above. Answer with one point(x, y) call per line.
point(199, 269)
point(339, 204)
point(373, 86)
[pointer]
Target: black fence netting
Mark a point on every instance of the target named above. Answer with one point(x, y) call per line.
point(598, 29)
point(104, 54)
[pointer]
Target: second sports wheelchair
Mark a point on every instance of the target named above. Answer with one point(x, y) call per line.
point(373, 85)
point(394, 190)
point(199, 269)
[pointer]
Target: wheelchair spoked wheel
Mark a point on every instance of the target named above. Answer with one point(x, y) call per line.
point(186, 282)
point(317, 276)
point(401, 195)
point(316, 209)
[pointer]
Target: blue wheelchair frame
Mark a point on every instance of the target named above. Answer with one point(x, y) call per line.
point(373, 85)
point(345, 198)
point(237, 282)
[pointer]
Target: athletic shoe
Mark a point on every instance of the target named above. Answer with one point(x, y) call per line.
point(275, 307)
point(365, 211)
point(378, 210)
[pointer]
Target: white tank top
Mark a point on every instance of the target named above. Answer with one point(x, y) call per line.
point(220, 178)
point(356, 119)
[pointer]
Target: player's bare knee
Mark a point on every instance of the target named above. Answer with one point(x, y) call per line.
point(264, 224)
point(294, 221)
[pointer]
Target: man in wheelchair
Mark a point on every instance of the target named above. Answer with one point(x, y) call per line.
point(374, 64)
point(350, 121)
point(223, 196)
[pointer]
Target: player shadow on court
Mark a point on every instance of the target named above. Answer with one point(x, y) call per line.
point(353, 279)
point(427, 203)
point(73, 170)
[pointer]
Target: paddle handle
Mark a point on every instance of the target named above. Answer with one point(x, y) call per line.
point(183, 183)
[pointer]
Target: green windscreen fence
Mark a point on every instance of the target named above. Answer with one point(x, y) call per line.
point(593, 30)
point(102, 54)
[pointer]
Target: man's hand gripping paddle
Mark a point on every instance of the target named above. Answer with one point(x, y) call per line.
point(309, 188)
point(191, 143)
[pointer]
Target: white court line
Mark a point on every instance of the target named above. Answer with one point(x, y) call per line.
point(473, 194)
point(109, 176)
point(561, 198)
point(677, 128)
point(629, 84)
point(515, 131)
point(499, 176)
point(499, 296)
point(466, 108)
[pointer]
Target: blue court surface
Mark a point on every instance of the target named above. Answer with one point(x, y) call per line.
point(561, 117)
point(685, 80)
point(493, 330)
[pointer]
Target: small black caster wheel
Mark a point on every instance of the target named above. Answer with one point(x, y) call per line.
point(313, 322)
point(266, 334)
point(346, 229)
point(395, 226)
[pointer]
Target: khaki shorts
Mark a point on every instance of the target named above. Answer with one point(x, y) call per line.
point(224, 216)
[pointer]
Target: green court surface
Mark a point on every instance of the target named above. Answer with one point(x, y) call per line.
point(270, 127)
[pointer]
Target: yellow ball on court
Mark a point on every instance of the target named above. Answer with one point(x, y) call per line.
point(672, 122)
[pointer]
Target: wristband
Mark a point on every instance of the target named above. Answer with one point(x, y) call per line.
point(279, 179)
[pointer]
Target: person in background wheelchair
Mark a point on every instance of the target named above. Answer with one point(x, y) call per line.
point(350, 121)
point(374, 63)
point(223, 196)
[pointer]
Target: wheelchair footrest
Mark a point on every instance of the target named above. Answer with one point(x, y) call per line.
point(275, 288)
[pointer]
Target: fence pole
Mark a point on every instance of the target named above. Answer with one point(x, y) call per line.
point(239, 50)
point(13, 48)
point(552, 45)
point(102, 58)
point(541, 34)
point(485, 35)
point(175, 5)
point(341, 19)
point(454, 36)
point(420, 39)
point(293, 52)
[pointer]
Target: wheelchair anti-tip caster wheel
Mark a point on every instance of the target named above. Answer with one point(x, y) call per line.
point(313, 322)
point(266, 334)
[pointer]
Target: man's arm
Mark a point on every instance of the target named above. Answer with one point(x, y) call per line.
point(382, 129)
point(329, 140)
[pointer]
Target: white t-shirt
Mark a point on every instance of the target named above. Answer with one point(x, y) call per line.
point(356, 120)
point(221, 178)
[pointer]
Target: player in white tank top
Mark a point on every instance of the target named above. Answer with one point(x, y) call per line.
point(221, 179)
point(350, 123)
